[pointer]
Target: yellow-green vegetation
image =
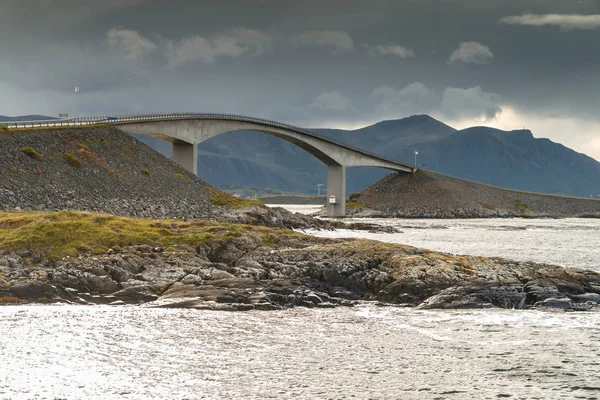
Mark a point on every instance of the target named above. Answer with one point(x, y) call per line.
point(73, 160)
point(522, 206)
point(30, 151)
point(219, 198)
point(146, 172)
point(3, 127)
point(353, 205)
point(67, 233)
point(181, 177)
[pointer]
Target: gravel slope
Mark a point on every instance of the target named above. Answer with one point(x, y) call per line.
point(427, 194)
point(118, 174)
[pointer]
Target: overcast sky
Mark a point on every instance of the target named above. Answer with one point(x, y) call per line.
point(314, 63)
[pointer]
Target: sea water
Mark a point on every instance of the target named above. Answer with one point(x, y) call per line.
point(364, 352)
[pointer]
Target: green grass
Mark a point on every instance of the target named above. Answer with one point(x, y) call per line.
point(223, 199)
point(30, 151)
point(146, 172)
point(67, 233)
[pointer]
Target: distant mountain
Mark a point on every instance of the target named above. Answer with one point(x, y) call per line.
point(514, 159)
point(24, 118)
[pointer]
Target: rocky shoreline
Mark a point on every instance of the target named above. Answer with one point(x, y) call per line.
point(459, 213)
point(241, 267)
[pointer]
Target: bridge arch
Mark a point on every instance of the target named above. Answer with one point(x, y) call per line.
point(185, 131)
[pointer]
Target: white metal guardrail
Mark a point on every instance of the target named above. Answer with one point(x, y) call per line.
point(117, 119)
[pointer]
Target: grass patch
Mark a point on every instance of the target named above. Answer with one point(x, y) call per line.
point(30, 151)
point(146, 172)
point(181, 177)
point(68, 233)
point(73, 160)
point(355, 205)
point(522, 206)
point(3, 127)
point(219, 198)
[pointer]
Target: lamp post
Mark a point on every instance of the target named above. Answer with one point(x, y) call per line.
point(319, 189)
point(416, 152)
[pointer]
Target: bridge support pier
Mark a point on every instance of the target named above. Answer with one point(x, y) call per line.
point(336, 185)
point(186, 155)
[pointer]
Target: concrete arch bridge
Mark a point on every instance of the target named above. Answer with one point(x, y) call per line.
point(186, 130)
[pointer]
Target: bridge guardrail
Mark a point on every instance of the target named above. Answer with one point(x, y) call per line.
point(120, 118)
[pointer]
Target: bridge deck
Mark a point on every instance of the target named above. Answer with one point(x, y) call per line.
point(116, 119)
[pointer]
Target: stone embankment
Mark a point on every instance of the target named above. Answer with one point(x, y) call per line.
point(429, 195)
point(64, 257)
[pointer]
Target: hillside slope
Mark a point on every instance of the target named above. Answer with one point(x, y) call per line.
point(108, 171)
point(427, 194)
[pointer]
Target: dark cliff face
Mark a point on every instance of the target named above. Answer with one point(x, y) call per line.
point(515, 160)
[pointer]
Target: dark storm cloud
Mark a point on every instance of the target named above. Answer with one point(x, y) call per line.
point(315, 62)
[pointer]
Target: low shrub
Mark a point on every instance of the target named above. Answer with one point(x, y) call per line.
point(353, 196)
point(73, 160)
point(146, 172)
point(30, 151)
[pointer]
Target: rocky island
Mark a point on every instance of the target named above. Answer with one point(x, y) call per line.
point(84, 258)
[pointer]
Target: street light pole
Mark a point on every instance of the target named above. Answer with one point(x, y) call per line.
point(416, 152)
point(319, 189)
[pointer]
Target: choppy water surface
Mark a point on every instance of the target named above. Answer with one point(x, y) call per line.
point(572, 242)
point(53, 352)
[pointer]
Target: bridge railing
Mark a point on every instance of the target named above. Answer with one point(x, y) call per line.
point(138, 117)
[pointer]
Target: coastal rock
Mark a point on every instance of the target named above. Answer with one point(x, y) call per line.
point(241, 272)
